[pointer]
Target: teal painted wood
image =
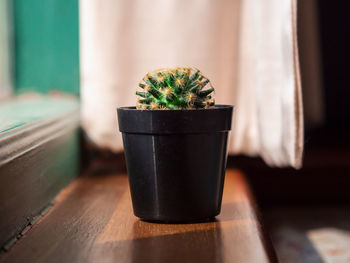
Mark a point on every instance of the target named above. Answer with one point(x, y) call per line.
point(46, 45)
point(21, 111)
point(39, 155)
point(31, 180)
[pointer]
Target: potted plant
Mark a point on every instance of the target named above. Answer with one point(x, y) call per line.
point(175, 143)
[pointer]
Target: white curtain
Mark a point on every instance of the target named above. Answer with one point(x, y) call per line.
point(246, 48)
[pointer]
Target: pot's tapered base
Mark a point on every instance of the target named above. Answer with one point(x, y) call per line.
point(203, 220)
point(176, 178)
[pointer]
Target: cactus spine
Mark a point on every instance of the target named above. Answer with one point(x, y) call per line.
point(175, 89)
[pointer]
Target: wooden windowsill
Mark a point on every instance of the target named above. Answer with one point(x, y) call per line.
point(39, 155)
point(92, 221)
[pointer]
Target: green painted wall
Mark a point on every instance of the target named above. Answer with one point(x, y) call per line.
point(46, 45)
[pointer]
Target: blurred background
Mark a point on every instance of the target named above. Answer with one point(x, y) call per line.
point(283, 64)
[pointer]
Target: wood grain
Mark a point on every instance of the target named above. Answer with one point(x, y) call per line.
point(93, 222)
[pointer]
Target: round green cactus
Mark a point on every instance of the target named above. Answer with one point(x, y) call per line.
point(175, 89)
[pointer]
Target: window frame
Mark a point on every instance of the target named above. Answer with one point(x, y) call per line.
point(6, 49)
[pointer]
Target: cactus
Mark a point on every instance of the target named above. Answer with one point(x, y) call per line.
point(175, 89)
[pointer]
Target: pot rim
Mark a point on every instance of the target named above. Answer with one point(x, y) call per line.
point(216, 107)
point(217, 119)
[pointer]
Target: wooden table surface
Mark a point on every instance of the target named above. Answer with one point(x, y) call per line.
point(92, 221)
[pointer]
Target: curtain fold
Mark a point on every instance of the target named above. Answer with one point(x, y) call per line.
point(269, 116)
point(247, 49)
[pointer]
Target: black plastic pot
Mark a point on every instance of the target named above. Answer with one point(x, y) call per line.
point(176, 161)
